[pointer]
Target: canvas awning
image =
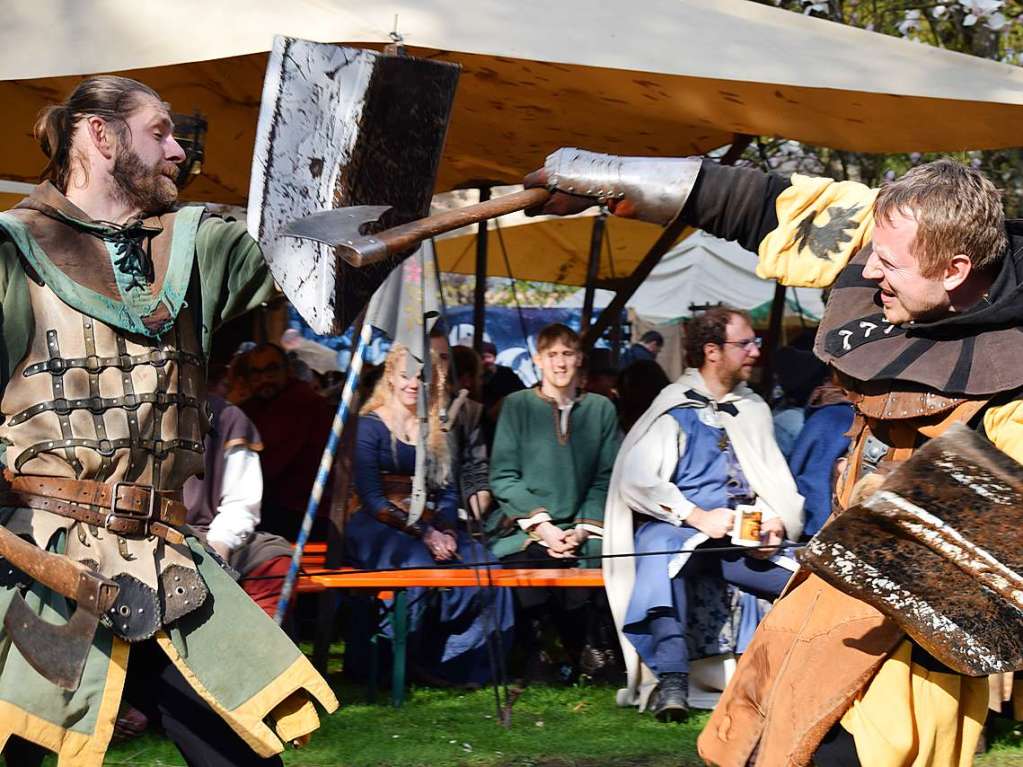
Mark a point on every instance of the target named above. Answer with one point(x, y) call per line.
point(702, 271)
point(662, 77)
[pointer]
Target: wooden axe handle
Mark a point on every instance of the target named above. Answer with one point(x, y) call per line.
point(59, 573)
point(409, 235)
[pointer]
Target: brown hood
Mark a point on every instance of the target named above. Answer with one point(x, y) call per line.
point(972, 354)
point(74, 243)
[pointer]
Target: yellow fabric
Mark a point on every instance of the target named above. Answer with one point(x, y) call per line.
point(73, 749)
point(298, 681)
point(786, 254)
point(294, 718)
point(912, 717)
point(1003, 425)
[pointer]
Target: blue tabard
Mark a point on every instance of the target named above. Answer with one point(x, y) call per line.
point(707, 474)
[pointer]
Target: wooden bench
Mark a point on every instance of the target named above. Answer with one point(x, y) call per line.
point(391, 586)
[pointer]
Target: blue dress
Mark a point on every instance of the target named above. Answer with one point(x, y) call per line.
point(448, 628)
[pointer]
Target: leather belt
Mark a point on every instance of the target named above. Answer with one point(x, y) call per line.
point(124, 508)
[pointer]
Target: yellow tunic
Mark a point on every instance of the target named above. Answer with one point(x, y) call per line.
point(908, 716)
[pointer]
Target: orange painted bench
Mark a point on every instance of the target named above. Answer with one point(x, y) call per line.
point(391, 585)
point(456, 577)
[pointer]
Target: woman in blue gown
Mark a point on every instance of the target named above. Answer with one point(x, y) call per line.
point(448, 628)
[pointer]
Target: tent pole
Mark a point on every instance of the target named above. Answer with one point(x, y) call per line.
point(771, 341)
point(592, 270)
point(623, 293)
point(480, 289)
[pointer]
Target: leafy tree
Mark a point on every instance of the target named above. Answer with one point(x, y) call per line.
point(991, 29)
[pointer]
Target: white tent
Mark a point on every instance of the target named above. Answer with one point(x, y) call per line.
point(661, 77)
point(704, 270)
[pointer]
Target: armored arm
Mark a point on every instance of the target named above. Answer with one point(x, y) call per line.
point(805, 230)
point(732, 203)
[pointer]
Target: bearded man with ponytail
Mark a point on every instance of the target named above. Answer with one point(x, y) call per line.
point(108, 300)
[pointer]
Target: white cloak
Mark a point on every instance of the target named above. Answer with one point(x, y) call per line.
point(751, 433)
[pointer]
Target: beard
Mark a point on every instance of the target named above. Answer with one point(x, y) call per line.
point(143, 187)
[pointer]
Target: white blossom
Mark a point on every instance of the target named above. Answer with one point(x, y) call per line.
point(911, 22)
point(989, 12)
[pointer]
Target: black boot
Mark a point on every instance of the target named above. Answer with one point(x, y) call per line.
point(670, 700)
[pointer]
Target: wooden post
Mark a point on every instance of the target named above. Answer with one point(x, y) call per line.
point(592, 270)
point(480, 290)
point(613, 311)
point(771, 341)
point(623, 293)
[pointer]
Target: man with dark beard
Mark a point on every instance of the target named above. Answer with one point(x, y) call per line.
point(109, 300)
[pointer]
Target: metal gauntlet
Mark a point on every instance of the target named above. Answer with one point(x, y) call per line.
point(657, 187)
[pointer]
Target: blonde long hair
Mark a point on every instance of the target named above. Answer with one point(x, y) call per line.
point(438, 451)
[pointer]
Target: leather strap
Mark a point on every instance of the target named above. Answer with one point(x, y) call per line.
point(123, 508)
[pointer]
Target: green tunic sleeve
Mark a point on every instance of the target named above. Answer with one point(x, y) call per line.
point(233, 276)
point(16, 330)
point(507, 472)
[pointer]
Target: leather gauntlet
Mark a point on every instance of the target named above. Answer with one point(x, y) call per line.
point(657, 187)
point(394, 516)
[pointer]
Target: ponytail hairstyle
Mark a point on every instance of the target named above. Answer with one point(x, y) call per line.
point(108, 96)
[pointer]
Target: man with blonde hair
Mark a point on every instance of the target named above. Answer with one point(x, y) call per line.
point(923, 323)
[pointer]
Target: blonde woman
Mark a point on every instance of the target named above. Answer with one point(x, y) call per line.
point(448, 629)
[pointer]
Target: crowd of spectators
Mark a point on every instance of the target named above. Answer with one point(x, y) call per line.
point(523, 477)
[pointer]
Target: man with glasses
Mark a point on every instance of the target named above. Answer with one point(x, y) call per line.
point(704, 448)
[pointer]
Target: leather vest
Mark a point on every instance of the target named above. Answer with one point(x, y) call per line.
point(889, 426)
point(93, 403)
point(819, 648)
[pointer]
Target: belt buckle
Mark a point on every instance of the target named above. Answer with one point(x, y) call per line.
point(146, 517)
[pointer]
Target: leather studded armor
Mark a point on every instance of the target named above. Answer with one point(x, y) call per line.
point(92, 402)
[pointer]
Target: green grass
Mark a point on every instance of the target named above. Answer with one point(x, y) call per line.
point(577, 726)
point(551, 727)
point(555, 727)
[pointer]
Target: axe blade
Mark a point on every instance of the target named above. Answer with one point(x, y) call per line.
point(340, 228)
point(338, 127)
point(58, 653)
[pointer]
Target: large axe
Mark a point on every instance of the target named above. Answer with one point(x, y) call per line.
point(338, 127)
point(343, 228)
point(58, 652)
